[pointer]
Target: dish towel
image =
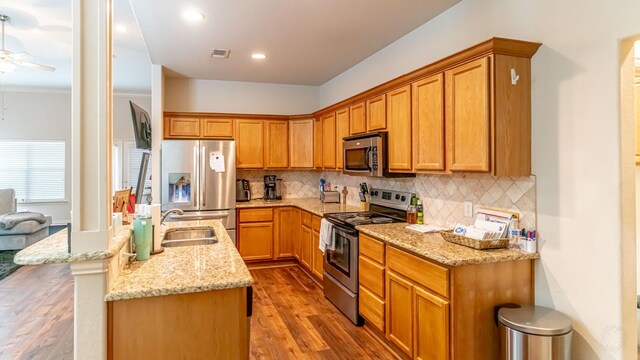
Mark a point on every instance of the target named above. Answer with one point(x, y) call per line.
point(327, 241)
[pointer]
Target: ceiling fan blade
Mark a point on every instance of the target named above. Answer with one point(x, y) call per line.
point(20, 56)
point(33, 65)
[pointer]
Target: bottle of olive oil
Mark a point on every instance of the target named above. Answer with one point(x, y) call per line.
point(420, 213)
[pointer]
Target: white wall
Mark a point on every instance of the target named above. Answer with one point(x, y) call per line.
point(576, 141)
point(35, 114)
point(239, 97)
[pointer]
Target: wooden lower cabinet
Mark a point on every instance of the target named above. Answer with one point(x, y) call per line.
point(431, 328)
point(297, 237)
point(286, 226)
point(255, 241)
point(305, 247)
point(318, 256)
point(371, 308)
point(399, 329)
point(204, 325)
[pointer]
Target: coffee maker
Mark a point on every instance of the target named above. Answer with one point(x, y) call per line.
point(243, 190)
point(271, 191)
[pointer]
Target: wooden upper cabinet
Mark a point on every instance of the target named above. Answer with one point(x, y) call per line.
point(329, 141)
point(181, 127)
point(399, 129)
point(317, 143)
point(342, 131)
point(357, 119)
point(249, 144)
point(277, 141)
point(217, 128)
point(301, 144)
point(428, 123)
point(467, 113)
point(376, 113)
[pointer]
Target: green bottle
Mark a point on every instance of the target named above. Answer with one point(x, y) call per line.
point(420, 213)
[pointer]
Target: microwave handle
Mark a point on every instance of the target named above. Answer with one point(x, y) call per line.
point(367, 157)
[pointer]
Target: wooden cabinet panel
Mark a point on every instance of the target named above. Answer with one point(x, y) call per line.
point(255, 241)
point(329, 141)
point(399, 322)
point(277, 141)
point(357, 119)
point(305, 219)
point(181, 127)
point(371, 308)
point(371, 276)
point(318, 256)
point(317, 143)
point(315, 223)
point(301, 144)
point(428, 124)
point(297, 233)
point(217, 128)
point(286, 231)
point(305, 249)
point(249, 144)
point(255, 215)
point(376, 113)
point(342, 131)
point(372, 248)
point(399, 129)
point(467, 115)
point(431, 328)
point(426, 273)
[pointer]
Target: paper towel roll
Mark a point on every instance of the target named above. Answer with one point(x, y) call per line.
point(156, 213)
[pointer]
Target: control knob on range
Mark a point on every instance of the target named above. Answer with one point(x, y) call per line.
point(397, 196)
point(403, 198)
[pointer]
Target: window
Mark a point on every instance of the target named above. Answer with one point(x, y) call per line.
point(34, 169)
point(126, 166)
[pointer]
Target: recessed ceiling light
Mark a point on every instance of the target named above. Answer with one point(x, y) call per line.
point(121, 28)
point(192, 15)
point(258, 56)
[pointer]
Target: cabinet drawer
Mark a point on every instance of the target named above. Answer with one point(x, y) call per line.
point(306, 219)
point(372, 248)
point(434, 277)
point(371, 276)
point(315, 223)
point(255, 215)
point(371, 308)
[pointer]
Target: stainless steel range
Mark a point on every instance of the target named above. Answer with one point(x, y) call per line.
point(340, 280)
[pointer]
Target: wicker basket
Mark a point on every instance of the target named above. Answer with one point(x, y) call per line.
point(473, 243)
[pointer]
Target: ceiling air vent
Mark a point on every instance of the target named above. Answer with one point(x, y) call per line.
point(220, 53)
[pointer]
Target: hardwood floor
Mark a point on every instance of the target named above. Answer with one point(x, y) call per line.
point(291, 318)
point(36, 313)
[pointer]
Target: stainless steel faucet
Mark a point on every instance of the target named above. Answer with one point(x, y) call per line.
point(169, 212)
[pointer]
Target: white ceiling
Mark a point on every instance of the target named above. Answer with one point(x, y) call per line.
point(43, 29)
point(307, 42)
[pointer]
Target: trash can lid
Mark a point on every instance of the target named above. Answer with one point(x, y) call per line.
point(535, 320)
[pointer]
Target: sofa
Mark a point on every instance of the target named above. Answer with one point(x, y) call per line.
point(23, 234)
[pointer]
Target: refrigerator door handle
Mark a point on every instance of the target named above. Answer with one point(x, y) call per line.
point(203, 181)
point(194, 199)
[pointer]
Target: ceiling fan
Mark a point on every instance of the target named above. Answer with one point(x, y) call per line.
point(9, 59)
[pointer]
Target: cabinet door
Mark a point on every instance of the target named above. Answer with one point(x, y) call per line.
point(181, 127)
point(317, 143)
point(357, 119)
point(250, 144)
point(217, 128)
point(431, 328)
point(285, 233)
point(399, 327)
point(428, 123)
point(255, 241)
point(376, 113)
point(301, 144)
point(305, 247)
point(342, 131)
point(371, 308)
point(318, 256)
point(467, 114)
point(329, 141)
point(297, 233)
point(277, 141)
point(399, 129)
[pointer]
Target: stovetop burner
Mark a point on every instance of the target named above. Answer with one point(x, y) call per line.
point(361, 218)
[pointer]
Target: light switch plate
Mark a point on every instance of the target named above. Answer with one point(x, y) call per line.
point(468, 209)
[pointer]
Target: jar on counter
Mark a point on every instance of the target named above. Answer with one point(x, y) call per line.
point(412, 211)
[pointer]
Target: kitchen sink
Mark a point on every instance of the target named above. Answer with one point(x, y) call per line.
point(189, 237)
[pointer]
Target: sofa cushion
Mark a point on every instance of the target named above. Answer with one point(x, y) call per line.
point(26, 227)
point(7, 201)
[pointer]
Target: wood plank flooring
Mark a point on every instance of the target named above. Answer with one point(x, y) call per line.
point(291, 318)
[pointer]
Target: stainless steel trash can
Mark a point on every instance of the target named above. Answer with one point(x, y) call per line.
point(534, 332)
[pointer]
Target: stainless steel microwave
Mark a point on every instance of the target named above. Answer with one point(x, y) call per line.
point(365, 155)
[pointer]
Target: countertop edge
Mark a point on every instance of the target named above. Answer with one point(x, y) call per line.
point(117, 296)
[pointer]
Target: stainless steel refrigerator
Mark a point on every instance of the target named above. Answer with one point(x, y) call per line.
point(199, 177)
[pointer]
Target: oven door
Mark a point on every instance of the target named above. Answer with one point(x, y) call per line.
point(342, 263)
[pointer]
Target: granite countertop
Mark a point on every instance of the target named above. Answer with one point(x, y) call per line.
point(55, 250)
point(312, 205)
point(434, 247)
point(186, 269)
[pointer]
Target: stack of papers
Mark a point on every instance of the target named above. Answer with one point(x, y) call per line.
point(489, 224)
point(425, 228)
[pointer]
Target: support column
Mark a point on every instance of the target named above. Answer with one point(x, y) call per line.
point(91, 143)
point(157, 109)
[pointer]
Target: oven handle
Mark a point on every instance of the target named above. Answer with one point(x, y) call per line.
point(352, 232)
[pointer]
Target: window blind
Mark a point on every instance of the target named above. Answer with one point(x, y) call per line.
point(34, 169)
point(134, 157)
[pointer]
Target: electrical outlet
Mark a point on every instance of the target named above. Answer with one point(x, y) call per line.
point(468, 209)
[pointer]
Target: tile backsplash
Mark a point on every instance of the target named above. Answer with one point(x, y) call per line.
point(443, 196)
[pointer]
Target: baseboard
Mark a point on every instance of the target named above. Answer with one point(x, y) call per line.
point(379, 336)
